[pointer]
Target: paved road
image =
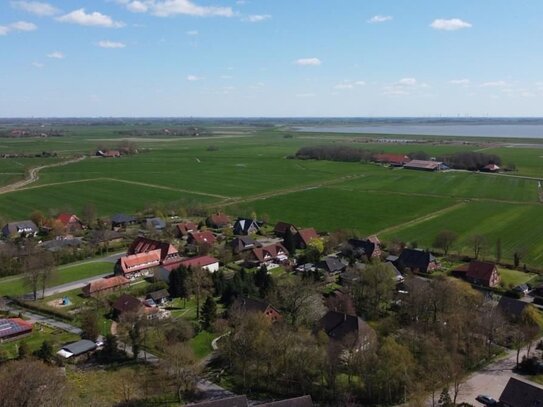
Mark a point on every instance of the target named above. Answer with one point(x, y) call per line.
point(41, 319)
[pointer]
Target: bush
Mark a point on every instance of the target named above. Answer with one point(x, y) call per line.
point(181, 331)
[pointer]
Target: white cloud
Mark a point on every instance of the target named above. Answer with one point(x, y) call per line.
point(193, 78)
point(137, 7)
point(38, 65)
point(111, 44)
point(404, 86)
point(56, 55)
point(23, 26)
point(192, 33)
point(452, 24)
point(308, 61)
point(95, 18)
point(166, 8)
point(346, 85)
point(460, 82)
point(494, 84)
point(256, 18)
point(36, 7)
point(380, 19)
point(407, 82)
point(4, 30)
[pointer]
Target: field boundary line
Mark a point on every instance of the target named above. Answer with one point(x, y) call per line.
point(421, 219)
point(33, 175)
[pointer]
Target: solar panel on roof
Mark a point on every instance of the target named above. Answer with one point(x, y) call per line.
point(10, 327)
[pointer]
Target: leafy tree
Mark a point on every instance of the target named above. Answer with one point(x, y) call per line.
point(200, 285)
point(90, 325)
point(444, 240)
point(290, 241)
point(209, 313)
point(178, 283)
point(24, 351)
point(374, 290)
point(263, 281)
point(45, 352)
point(445, 399)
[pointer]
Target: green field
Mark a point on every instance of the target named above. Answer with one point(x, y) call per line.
point(248, 169)
point(16, 285)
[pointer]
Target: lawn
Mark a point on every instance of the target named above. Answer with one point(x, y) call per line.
point(201, 344)
point(40, 333)
point(512, 278)
point(15, 285)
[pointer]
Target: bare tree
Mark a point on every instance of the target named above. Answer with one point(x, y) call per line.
point(478, 243)
point(444, 240)
point(201, 286)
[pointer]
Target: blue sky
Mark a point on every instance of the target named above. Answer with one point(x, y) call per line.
point(271, 58)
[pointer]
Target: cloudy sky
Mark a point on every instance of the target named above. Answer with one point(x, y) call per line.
point(271, 58)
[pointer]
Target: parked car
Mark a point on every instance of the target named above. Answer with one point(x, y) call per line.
point(486, 400)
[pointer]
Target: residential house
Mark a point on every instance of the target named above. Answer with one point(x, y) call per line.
point(266, 255)
point(128, 305)
point(218, 220)
point(168, 253)
point(14, 328)
point(77, 349)
point(259, 306)
point(490, 168)
point(281, 228)
point(244, 227)
point(395, 160)
point(121, 220)
point(511, 308)
point(242, 244)
point(347, 330)
point(202, 238)
point(304, 237)
point(520, 393)
point(423, 165)
point(137, 265)
point(331, 265)
point(417, 260)
point(159, 297)
point(22, 228)
point(479, 273)
point(70, 222)
point(155, 223)
point(183, 229)
point(105, 285)
point(211, 264)
point(367, 247)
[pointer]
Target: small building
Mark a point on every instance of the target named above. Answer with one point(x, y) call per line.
point(218, 220)
point(244, 227)
point(490, 168)
point(22, 228)
point(480, 273)
point(183, 229)
point(366, 247)
point(304, 237)
point(155, 223)
point(520, 393)
point(121, 220)
point(511, 308)
point(14, 328)
point(273, 253)
point(418, 261)
point(77, 349)
point(137, 265)
point(281, 228)
point(105, 285)
point(211, 264)
point(395, 160)
point(127, 304)
point(242, 244)
point(423, 165)
point(347, 330)
point(70, 222)
point(259, 306)
point(159, 297)
point(331, 265)
point(202, 238)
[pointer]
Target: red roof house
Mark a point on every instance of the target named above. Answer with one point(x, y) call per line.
point(479, 273)
point(70, 222)
point(218, 220)
point(209, 263)
point(13, 328)
point(268, 254)
point(168, 253)
point(205, 237)
point(396, 160)
point(105, 285)
point(304, 237)
point(183, 229)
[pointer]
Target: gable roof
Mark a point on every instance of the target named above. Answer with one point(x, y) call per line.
point(391, 158)
point(423, 164)
point(282, 227)
point(480, 270)
point(339, 325)
point(14, 326)
point(186, 227)
point(415, 258)
point(218, 219)
point(201, 261)
point(243, 226)
point(139, 261)
point(303, 401)
point(158, 295)
point(331, 264)
point(122, 218)
point(254, 305)
point(78, 348)
point(518, 393)
point(266, 253)
point(127, 303)
point(367, 247)
point(105, 283)
point(22, 226)
point(143, 245)
point(307, 234)
point(66, 218)
point(203, 237)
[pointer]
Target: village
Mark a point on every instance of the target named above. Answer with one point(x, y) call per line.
point(210, 282)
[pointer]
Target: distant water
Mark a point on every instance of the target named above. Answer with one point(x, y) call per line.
point(464, 130)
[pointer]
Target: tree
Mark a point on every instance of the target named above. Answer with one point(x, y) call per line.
point(209, 313)
point(478, 243)
point(90, 325)
point(290, 241)
point(518, 255)
point(38, 218)
point(444, 240)
point(31, 383)
point(88, 214)
point(23, 351)
point(200, 285)
point(180, 364)
point(39, 267)
point(263, 281)
point(136, 338)
point(178, 283)
point(45, 353)
point(445, 399)
point(374, 290)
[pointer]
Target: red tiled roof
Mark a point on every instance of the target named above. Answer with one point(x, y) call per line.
point(203, 237)
point(266, 253)
point(307, 234)
point(144, 245)
point(140, 261)
point(186, 227)
point(105, 284)
point(219, 219)
point(66, 218)
point(480, 270)
point(201, 261)
point(392, 158)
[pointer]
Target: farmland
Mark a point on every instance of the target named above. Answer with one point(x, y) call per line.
point(248, 170)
